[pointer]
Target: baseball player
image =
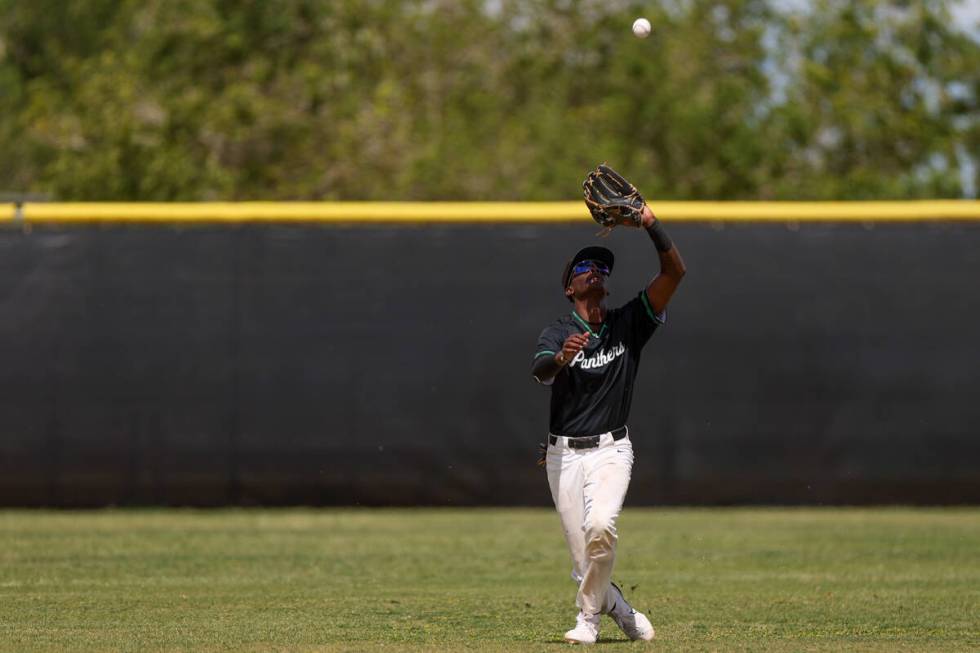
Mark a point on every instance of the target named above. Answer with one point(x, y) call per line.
point(590, 358)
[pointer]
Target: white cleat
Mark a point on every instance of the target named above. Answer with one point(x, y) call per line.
point(634, 624)
point(586, 630)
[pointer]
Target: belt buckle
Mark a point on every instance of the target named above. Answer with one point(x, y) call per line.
point(586, 442)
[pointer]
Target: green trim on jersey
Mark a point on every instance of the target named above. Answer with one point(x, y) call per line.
point(544, 352)
point(587, 326)
point(646, 304)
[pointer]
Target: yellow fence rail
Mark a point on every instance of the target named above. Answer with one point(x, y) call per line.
point(429, 213)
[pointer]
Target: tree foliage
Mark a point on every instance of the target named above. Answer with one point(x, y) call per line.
point(483, 99)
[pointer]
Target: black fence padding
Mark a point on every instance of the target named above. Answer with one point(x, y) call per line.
point(390, 365)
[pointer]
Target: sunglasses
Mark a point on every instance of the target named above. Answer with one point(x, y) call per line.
point(584, 266)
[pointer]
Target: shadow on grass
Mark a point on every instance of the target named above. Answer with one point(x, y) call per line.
point(601, 642)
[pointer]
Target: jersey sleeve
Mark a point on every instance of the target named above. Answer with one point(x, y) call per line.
point(549, 342)
point(642, 319)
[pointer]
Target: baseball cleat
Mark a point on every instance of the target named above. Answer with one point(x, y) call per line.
point(586, 630)
point(634, 624)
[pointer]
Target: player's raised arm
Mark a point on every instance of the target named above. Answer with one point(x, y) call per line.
point(613, 201)
point(672, 268)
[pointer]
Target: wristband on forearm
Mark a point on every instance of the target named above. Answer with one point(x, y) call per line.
point(659, 237)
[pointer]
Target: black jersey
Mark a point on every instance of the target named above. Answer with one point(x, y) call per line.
point(593, 392)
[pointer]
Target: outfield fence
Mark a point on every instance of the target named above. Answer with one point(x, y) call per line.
point(278, 360)
point(432, 213)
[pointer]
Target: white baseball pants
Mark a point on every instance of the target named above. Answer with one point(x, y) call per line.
point(588, 487)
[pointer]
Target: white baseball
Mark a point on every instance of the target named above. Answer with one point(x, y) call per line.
point(641, 28)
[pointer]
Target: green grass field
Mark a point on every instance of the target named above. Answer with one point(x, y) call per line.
point(494, 580)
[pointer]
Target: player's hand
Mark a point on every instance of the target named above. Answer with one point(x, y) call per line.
point(646, 217)
point(573, 345)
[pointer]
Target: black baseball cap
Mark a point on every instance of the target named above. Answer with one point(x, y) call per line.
point(591, 253)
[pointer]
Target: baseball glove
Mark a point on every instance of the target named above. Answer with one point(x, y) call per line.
point(611, 199)
point(542, 454)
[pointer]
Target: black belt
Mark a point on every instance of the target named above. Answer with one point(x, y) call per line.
point(587, 441)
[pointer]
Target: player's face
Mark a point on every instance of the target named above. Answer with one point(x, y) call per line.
point(588, 275)
point(587, 266)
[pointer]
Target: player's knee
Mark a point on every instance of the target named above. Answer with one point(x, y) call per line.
point(601, 526)
point(600, 537)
